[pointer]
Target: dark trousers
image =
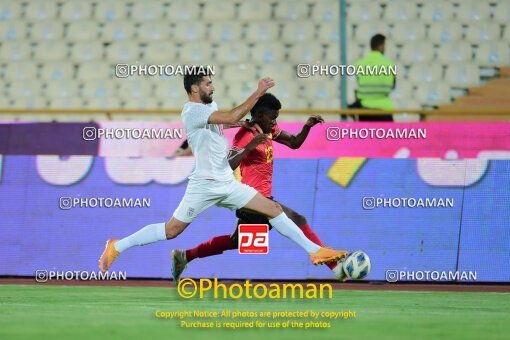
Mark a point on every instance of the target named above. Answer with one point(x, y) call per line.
point(370, 118)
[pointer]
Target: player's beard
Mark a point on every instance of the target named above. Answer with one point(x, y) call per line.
point(205, 98)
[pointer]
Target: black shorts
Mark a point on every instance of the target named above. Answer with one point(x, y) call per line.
point(246, 217)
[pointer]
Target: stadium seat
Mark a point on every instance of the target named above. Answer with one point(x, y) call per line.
point(406, 103)
point(238, 91)
point(196, 53)
point(294, 32)
point(58, 70)
point(171, 88)
point(321, 90)
point(123, 52)
point(445, 32)
point(455, 52)
point(326, 11)
point(425, 73)
point(147, 10)
point(14, 50)
point(103, 103)
point(502, 13)
point(480, 32)
point(433, 94)
point(285, 91)
point(54, 51)
point(13, 30)
point(310, 52)
point(268, 52)
point(111, 10)
point(416, 52)
point(400, 11)
point(245, 72)
point(20, 70)
point(231, 53)
point(189, 31)
point(295, 104)
point(136, 87)
point(66, 103)
point(10, 10)
point(279, 71)
point(118, 30)
point(493, 54)
point(28, 102)
point(365, 31)
point(291, 10)
point(140, 104)
point(95, 70)
point(224, 31)
point(47, 30)
point(87, 51)
point(98, 89)
point(404, 89)
point(436, 11)
point(326, 104)
point(154, 30)
point(61, 88)
point(83, 30)
point(41, 10)
point(405, 32)
point(332, 53)
point(262, 31)
point(219, 10)
point(363, 11)
point(183, 11)
point(254, 10)
point(462, 75)
point(160, 52)
point(472, 11)
point(23, 88)
point(329, 32)
point(73, 10)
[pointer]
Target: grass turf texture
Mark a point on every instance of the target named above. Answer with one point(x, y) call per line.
point(70, 312)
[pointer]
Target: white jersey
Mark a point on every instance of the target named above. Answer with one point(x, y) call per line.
point(209, 145)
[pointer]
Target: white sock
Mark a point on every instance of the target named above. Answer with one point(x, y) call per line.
point(149, 234)
point(289, 229)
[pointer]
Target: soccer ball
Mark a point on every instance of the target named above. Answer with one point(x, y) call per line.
point(357, 265)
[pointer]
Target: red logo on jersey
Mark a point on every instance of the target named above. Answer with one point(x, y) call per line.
point(253, 239)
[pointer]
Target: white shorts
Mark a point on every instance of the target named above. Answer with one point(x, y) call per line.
point(201, 194)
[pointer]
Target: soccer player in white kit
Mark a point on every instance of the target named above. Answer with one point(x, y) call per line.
point(213, 182)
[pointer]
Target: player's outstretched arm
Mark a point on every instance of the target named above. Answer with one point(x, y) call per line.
point(235, 115)
point(295, 141)
point(236, 156)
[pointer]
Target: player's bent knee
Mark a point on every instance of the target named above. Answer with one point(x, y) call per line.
point(173, 228)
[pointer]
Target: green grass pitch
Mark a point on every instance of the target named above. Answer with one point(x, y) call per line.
point(70, 312)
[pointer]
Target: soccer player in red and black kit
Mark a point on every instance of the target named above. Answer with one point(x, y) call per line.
point(253, 153)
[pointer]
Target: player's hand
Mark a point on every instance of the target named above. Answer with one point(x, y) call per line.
point(258, 139)
point(314, 120)
point(265, 84)
point(252, 126)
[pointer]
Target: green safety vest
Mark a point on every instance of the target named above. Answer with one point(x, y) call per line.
point(373, 90)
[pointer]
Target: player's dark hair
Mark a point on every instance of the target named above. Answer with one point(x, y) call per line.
point(267, 101)
point(376, 41)
point(193, 76)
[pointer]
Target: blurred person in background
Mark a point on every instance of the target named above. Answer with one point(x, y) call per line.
point(373, 91)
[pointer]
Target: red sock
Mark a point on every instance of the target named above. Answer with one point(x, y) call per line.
point(214, 246)
point(315, 239)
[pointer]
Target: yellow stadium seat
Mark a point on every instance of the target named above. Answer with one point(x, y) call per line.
point(20, 70)
point(148, 10)
point(87, 51)
point(493, 54)
point(481, 32)
point(13, 30)
point(445, 32)
point(262, 31)
point(455, 52)
point(425, 73)
point(232, 52)
point(405, 32)
point(111, 10)
point(47, 30)
point(10, 10)
point(41, 10)
point(83, 30)
point(95, 70)
point(154, 30)
point(400, 11)
point(463, 75)
point(473, 11)
point(98, 89)
point(124, 52)
point(118, 30)
point(58, 70)
point(436, 11)
point(218, 10)
point(61, 88)
point(363, 11)
point(433, 94)
point(23, 88)
point(309, 52)
point(416, 52)
point(291, 10)
point(189, 31)
point(224, 31)
point(66, 103)
point(329, 32)
point(196, 53)
point(51, 51)
point(160, 52)
point(326, 11)
point(183, 11)
point(254, 10)
point(73, 10)
point(15, 50)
